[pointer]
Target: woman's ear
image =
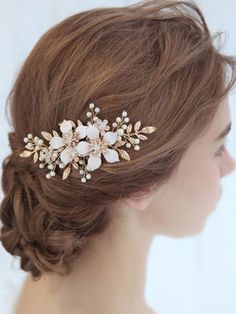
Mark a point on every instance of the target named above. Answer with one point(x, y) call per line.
point(140, 202)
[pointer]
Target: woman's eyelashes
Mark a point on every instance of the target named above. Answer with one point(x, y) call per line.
point(221, 150)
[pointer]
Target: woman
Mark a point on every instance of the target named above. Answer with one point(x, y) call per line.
point(84, 242)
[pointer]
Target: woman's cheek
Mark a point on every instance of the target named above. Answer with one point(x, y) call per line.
point(212, 183)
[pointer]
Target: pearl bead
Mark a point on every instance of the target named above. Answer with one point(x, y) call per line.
point(114, 124)
point(88, 176)
point(128, 145)
point(97, 110)
point(118, 119)
point(26, 140)
point(30, 135)
point(89, 114)
point(120, 131)
point(83, 180)
point(91, 106)
point(124, 114)
point(126, 120)
point(136, 147)
point(48, 176)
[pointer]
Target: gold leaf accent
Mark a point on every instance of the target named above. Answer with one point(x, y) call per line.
point(26, 153)
point(129, 128)
point(124, 154)
point(142, 137)
point(55, 133)
point(76, 159)
point(66, 173)
point(79, 122)
point(30, 146)
point(137, 126)
point(148, 129)
point(75, 165)
point(36, 156)
point(59, 150)
point(132, 140)
point(46, 135)
point(120, 143)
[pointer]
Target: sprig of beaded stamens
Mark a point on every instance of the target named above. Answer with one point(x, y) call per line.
point(85, 155)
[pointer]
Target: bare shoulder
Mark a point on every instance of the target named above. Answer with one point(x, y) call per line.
point(32, 299)
point(19, 305)
point(26, 297)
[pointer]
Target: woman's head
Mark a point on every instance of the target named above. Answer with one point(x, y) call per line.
point(180, 206)
point(156, 60)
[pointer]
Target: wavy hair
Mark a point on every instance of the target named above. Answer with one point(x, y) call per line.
point(156, 60)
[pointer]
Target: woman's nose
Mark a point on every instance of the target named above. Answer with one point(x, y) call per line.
point(228, 165)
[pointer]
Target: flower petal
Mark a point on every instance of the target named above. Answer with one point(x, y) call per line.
point(92, 132)
point(66, 156)
point(110, 137)
point(82, 131)
point(65, 126)
point(111, 155)
point(94, 162)
point(83, 147)
point(57, 142)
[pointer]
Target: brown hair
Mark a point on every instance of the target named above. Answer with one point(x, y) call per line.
point(157, 61)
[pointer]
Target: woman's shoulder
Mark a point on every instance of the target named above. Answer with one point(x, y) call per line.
point(28, 297)
point(32, 299)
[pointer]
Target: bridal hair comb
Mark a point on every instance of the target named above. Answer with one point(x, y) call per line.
point(82, 146)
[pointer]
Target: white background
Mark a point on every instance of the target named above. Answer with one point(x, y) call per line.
point(185, 276)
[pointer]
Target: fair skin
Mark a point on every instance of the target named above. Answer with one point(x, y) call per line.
point(110, 275)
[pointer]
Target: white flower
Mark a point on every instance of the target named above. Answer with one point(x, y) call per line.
point(101, 125)
point(97, 146)
point(68, 154)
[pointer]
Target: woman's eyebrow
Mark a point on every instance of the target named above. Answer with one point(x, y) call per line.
point(224, 132)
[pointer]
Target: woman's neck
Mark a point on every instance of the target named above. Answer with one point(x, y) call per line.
point(110, 275)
